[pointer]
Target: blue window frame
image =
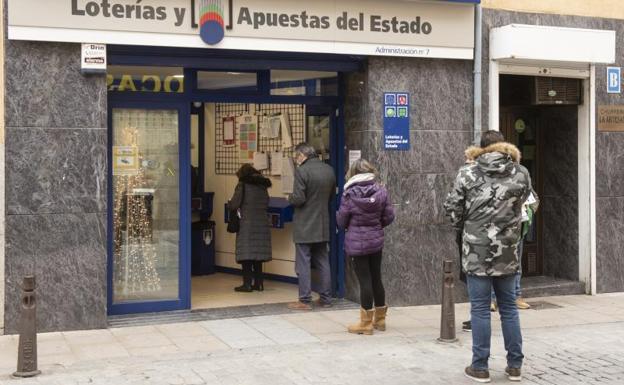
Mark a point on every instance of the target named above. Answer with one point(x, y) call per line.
point(192, 61)
point(183, 300)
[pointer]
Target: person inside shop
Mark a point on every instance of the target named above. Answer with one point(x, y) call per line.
point(486, 202)
point(250, 204)
point(314, 187)
point(365, 210)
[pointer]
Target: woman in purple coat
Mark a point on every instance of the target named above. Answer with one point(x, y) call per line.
point(365, 210)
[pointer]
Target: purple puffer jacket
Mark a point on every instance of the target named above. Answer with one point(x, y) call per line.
point(364, 212)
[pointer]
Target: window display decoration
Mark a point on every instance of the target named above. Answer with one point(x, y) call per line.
point(135, 253)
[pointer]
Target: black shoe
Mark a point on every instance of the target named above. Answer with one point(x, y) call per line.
point(514, 374)
point(243, 289)
point(467, 326)
point(258, 287)
point(482, 376)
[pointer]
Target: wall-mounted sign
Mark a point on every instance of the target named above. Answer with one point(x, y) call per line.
point(125, 160)
point(614, 80)
point(396, 121)
point(363, 27)
point(93, 59)
point(611, 118)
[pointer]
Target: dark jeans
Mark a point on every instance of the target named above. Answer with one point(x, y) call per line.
point(317, 254)
point(479, 290)
point(252, 270)
point(368, 271)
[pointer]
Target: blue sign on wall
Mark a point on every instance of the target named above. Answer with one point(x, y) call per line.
point(396, 119)
point(614, 80)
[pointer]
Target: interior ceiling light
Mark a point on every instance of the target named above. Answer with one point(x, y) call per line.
point(178, 76)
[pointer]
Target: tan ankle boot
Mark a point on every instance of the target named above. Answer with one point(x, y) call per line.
point(365, 326)
point(379, 319)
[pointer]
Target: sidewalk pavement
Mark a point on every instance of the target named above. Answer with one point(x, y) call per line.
point(571, 340)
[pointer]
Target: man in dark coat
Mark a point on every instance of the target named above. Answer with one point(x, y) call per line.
point(315, 185)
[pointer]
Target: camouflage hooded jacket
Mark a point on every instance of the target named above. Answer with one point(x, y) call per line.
point(486, 204)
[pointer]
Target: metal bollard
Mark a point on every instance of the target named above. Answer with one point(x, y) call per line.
point(27, 354)
point(447, 324)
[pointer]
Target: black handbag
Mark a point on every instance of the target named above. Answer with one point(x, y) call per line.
point(233, 225)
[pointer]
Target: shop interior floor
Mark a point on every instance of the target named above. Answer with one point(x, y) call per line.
point(217, 291)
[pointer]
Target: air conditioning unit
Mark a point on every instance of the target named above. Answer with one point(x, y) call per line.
point(557, 91)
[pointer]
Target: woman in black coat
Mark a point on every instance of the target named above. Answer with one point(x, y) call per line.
point(253, 240)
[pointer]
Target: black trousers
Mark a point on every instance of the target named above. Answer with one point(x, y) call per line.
point(368, 271)
point(252, 270)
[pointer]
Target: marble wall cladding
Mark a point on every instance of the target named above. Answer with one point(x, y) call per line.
point(56, 185)
point(64, 251)
point(610, 265)
point(559, 206)
point(45, 88)
point(420, 179)
point(441, 91)
point(560, 150)
point(56, 171)
point(560, 237)
point(609, 161)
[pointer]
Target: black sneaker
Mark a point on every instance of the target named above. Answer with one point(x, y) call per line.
point(514, 374)
point(482, 376)
point(467, 326)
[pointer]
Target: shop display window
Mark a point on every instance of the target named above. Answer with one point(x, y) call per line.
point(146, 203)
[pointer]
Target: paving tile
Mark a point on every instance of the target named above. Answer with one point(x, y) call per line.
point(158, 351)
point(200, 344)
point(89, 337)
point(236, 333)
point(133, 330)
point(99, 351)
point(186, 329)
point(144, 340)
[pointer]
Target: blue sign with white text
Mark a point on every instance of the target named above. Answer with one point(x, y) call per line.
point(396, 121)
point(614, 80)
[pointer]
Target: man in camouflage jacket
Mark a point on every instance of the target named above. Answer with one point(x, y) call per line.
point(486, 205)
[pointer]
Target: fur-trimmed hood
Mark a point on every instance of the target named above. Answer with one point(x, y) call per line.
point(473, 152)
point(256, 179)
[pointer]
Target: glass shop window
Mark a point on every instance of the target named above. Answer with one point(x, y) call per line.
point(146, 205)
point(231, 82)
point(145, 79)
point(304, 83)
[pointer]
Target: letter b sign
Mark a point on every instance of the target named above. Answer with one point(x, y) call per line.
point(614, 80)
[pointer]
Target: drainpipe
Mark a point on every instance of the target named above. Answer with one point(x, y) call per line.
point(478, 104)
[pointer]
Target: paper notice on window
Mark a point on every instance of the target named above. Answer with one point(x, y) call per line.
point(354, 155)
point(275, 161)
point(260, 161)
point(286, 133)
point(288, 175)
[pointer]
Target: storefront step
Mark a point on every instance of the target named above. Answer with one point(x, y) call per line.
point(213, 314)
point(543, 286)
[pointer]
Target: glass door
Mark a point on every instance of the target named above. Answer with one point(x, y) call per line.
point(322, 134)
point(147, 263)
